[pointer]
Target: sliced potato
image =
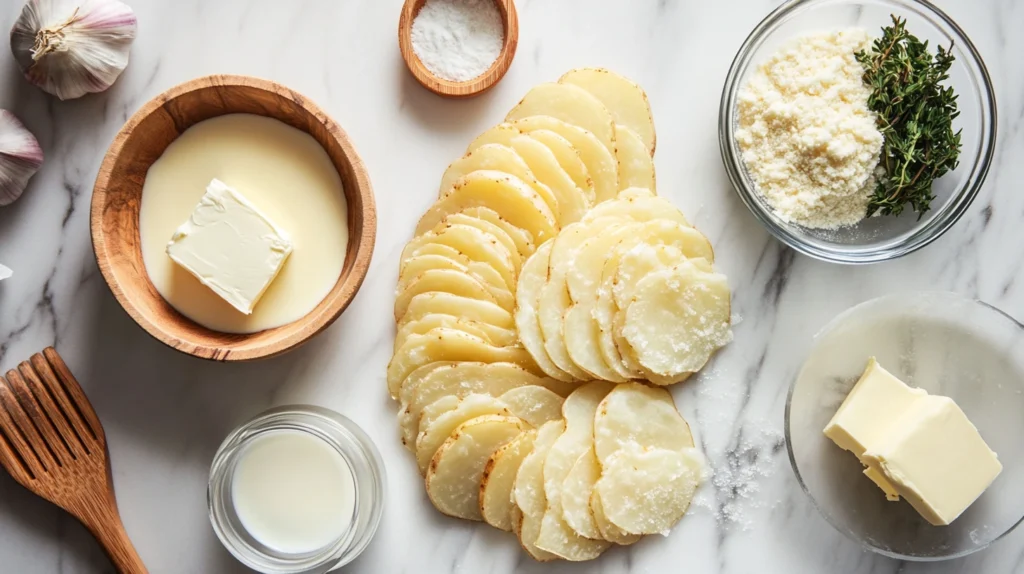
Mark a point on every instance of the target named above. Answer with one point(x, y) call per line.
point(600, 162)
point(570, 104)
point(677, 318)
point(528, 491)
point(534, 404)
point(482, 272)
point(572, 202)
point(569, 158)
point(443, 280)
point(625, 100)
point(636, 168)
point(637, 414)
point(471, 242)
point(576, 491)
point(489, 317)
point(489, 228)
point(434, 320)
point(456, 472)
point(646, 491)
point(638, 208)
point(556, 536)
point(496, 157)
point(522, 238)
point(509, 196)
point(554, 298)
point(441, 418)
point(431, 382)
point(495, 497)
point(609, 531)
point(443, 344)
point(531, 283)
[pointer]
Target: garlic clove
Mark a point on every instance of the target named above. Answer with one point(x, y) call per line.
point(20, 157)
point(5, 273)
point(70, 48)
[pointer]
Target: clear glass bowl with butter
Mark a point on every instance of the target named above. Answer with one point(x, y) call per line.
point(947, 345)
point(874, 238)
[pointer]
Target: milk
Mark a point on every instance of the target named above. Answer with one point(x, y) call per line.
point(293, 492)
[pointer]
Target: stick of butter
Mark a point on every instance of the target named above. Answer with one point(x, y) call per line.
point(915, 445)
point(230, 246)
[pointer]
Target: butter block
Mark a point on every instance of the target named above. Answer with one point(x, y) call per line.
point(230, 246)
point(936, 459)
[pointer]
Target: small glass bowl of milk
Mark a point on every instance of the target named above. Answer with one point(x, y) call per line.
point(296, 490)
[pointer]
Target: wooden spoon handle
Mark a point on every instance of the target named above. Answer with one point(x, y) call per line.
point(103, 520)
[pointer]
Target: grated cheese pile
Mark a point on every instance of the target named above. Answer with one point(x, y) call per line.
point(808, 139)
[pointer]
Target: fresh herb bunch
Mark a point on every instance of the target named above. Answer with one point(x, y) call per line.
point(915, 116)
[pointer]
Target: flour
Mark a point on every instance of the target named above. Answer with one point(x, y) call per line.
point(808, 138)
point(458, 40)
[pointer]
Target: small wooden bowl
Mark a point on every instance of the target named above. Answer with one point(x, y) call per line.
point(118, 191)
point(447, 88)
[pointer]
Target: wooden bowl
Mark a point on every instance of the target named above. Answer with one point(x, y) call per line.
point(118, 193)
point(447, 88)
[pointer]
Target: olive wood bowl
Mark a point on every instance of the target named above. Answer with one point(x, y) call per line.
point(116, 199)
point(469, 88)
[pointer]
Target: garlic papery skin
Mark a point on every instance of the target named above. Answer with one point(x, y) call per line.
point(70, 48)
point(5, 272)
point(20, 157)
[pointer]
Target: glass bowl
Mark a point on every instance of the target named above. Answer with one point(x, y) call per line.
point(875, 238)
point(947, 345)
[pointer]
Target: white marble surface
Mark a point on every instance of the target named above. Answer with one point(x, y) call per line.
point(165, 413)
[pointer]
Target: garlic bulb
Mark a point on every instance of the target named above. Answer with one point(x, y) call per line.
point(20, 157)
point(70, 48)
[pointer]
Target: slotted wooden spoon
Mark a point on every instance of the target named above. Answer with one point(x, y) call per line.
point(53, 444)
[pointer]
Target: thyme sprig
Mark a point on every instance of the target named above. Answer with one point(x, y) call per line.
point(915, 116)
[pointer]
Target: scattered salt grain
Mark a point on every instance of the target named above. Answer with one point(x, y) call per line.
point(458, 40)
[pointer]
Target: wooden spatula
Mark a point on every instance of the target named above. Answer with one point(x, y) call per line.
point(53, 444)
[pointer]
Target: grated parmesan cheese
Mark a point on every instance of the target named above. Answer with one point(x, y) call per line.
point(808, 138)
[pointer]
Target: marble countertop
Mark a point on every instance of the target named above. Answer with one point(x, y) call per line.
point(166, 413)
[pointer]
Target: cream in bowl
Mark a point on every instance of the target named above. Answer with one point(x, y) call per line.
point(208, 254)
point(232, 218)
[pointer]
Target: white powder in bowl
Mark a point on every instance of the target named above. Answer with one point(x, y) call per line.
point(808, 138)
point(458, 40)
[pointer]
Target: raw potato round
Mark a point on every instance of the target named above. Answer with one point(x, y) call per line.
point(456, 471)
point(522, 238)
point(556, 536)
point(508, 196)
point(442, 417)
point(496, 321)
point(534, 404)
point(576, 491)
point(600, 162)
point(531, 283)
point(648, 491)
point(434, 381)
point(639, 415)
point(434, 320)
point(471, 242)
point(499, 479)
point(485, 274)
point(571, 201)
point(443, 344)
point(677, 319)
point(638, 208)
point(489, 228)
point(636, 168)
point(571, 104)
point(528, 491)
point(609, 531)
point(570, 160)
point(625, 100)
point(443, 280)
point(496, 157)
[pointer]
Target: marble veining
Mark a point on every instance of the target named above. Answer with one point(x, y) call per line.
point(165, 413)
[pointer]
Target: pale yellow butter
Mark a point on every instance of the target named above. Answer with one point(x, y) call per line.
point(915, 445)
point(230, 246)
